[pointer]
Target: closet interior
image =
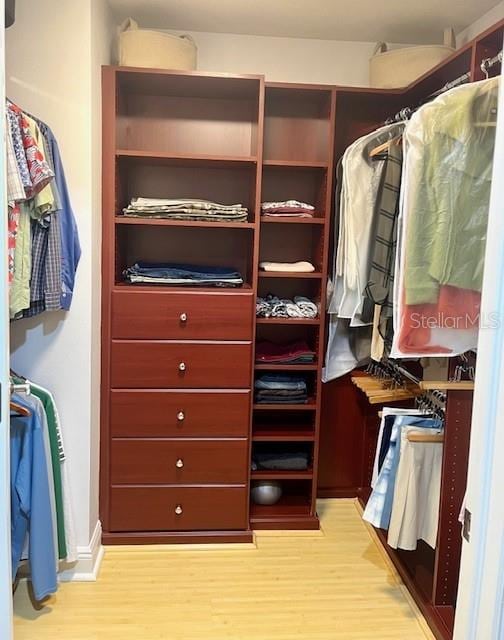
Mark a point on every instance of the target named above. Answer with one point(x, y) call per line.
point(212, 393)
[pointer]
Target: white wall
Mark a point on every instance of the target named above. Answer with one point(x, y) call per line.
point(53, 53)
point(303, 60)
point(486, 21)
point(285, 59)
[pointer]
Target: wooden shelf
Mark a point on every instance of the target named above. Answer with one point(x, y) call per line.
point(151, 288)
point(186, 160)
point(193, 84)
point(315, 275)
point(267, 220)
point(286, 367)
point(300, 164)
point(282, 475)
point(282, 434)
point(287, 506)
point(309, 406)
point(290, 512)
point(163, 222)
point(290, 321)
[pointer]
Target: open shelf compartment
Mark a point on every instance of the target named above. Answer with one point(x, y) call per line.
point(297, 124)
point(190, 114)
point(184, 245)
point(151, 178)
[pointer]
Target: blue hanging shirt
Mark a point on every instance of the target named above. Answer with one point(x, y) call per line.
point(70, 245)
point(30, 500)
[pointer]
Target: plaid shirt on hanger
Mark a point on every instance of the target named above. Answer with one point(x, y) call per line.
point(379, 288)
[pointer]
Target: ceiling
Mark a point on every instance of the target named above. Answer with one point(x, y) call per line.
point(405, 21)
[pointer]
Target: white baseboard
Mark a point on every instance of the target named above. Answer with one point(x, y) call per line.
point(89, 560)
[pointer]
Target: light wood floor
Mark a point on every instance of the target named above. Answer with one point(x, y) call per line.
point(336, 586)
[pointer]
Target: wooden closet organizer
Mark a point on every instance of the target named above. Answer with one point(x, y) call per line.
point(176, 445)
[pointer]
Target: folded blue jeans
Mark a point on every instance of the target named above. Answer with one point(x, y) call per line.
point(170, 270)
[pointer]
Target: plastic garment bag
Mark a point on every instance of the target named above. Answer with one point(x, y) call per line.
point(445, 193)
point(359, 178)
point(357, 210)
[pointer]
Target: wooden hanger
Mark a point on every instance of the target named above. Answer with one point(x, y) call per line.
point(19, 410)
point(448, 385)
point(379, 149)
point(417, 436)
point(385, 146)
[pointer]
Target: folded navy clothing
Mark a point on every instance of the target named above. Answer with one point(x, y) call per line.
point(280, 392)
point(184, 274)
point(298, 399)
point(296, 461)
point(187, 270)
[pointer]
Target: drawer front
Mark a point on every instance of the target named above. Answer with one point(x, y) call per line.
point(189, 414)
point(181, 365)
point(136, 461)
point(182, 316)
point(178, 508)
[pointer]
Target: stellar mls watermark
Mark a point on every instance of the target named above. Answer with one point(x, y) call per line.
point(492, 320)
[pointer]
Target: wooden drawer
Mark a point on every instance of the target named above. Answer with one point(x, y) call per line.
point(182, 316)
point(199, 508)
point(137, 461)
point(140, 364)
point(188, 414)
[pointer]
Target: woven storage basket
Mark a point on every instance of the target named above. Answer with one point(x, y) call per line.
point(400, 67)
point(155, 49)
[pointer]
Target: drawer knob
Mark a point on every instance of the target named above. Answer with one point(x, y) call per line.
point(181, 416)
point(182, 366)
point(183, 317)
point(179, 510)
point(179, 464)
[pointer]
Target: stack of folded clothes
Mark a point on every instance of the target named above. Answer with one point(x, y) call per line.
point(182, 274)
point(185, 209)
point(281, 461)
point(274, 307)
point(274, 388)
point(293, 353)
point(287, 209)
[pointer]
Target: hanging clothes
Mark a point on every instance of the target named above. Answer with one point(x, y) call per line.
point(31, 510)
point(379, 507)
point(44, 248)
point(449, 147)
point(37, 448)
point(415, 508)
point(367, 192)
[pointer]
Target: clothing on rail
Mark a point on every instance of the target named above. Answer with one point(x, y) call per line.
point(43, 241)
point(406, 481)
point(443, 222)
point(42, 525)
point(412, 202)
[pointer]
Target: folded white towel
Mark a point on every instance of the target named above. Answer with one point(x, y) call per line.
point(288, 267)
point(287, 203)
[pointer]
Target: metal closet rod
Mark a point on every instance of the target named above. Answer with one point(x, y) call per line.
point(407, 112)
point(20, 388)
point(488, 63)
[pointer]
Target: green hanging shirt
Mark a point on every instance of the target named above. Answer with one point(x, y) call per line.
point(448, 173)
